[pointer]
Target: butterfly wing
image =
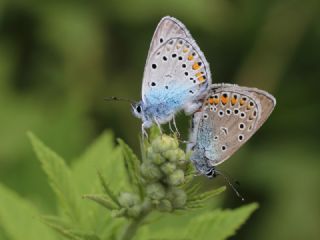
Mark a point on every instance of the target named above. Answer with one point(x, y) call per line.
point(176, 70)
point(230, 116)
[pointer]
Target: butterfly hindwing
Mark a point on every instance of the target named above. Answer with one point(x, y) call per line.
point(230, 116)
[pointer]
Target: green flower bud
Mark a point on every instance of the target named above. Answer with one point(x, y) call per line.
point(147, 204)
point(155, 157)
point(164, 143)
point(128, 200)
point(155, 191)
point(119, 213)
point(180, 199)
point(168, 168)
point(150, 171)
point(174, 155)
point(177, 197)
point(158, 159)
point(165, 206)
point(134, 211)
point(176, 178)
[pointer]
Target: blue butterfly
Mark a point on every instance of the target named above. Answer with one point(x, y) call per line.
point(176, 75)
point(230, 115)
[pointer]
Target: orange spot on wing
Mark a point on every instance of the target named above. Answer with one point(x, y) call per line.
point(190, 57)
point(249, 107)
point(201, 79)
point(216, 100)
point(211, 100)
point(242, 101)
point(233, 100)
point(195, 66)
point(224, 100)
point(198, 74)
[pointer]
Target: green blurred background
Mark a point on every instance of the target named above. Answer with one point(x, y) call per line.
point(58, 59)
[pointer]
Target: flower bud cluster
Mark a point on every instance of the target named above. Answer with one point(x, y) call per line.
point(162, 175)
point(130, 205)
point(162, 172)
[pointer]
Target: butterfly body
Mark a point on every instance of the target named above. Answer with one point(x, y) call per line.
point(176, 75)
point(229, 116)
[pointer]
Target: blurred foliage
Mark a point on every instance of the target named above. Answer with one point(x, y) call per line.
point(59, 59)
point(132, 204)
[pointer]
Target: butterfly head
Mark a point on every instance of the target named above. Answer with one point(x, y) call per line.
point(211, 173)
point(137, 109)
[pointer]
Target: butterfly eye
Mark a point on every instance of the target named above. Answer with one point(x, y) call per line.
point(138, 109)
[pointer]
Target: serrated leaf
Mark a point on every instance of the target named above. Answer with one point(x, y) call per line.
point(201, 197)
point(18, 218)
point(104, 158)
point(132, 164)
point(220, 223)
point(102, 200)
point(192, 190)
point(217, 224)
point(59, 226)
point(59, 177)
point(101, 156)
point(66, 230)
point(84, 235)
point(107, 190)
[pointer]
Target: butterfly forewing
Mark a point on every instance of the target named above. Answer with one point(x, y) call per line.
point(176, 70)
point(232, 114)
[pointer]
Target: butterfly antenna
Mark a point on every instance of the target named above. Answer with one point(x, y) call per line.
point(230, 184)
point(118, 99)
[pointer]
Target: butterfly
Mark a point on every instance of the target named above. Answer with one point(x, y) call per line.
point(176, 75)
point(229, 116)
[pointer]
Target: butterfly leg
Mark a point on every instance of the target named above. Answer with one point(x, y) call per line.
point(170, 127)
point(143, 131)
point(158, 124)
point(175, 126)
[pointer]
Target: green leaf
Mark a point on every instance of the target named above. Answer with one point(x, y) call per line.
point(104, 158)
point(66, 230)
point(107, 190)
point(101, 156)
point(59, 226)
point(132, 164)
point(199, 199)
point(216, 224)
point(219, 224)
point(102, 200)
point(59, 177)
point(18, 218)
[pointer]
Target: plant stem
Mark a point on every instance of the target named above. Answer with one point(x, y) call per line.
point(133, 227)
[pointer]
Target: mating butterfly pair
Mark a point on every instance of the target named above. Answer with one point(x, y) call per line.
point(177, 77)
